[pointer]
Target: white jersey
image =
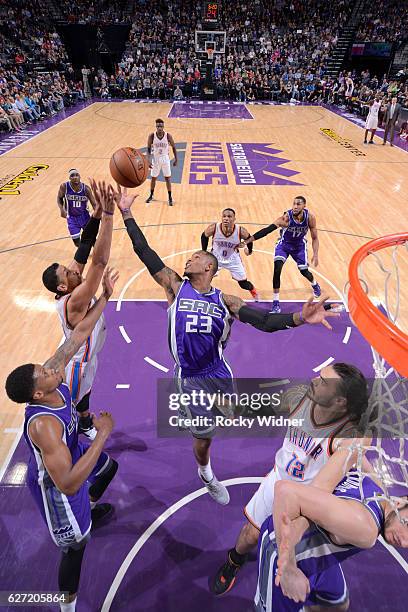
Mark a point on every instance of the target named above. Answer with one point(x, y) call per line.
point(374, 108)
point(306, 449)
point(96, 339)
point(160, 148)
point(223, 247)
point(80, 371)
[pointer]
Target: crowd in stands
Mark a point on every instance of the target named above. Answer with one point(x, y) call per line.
point(384, 22)
point(98, 12)
point(27, 25)
point(275, 51)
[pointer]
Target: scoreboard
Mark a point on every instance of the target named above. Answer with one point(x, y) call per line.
point(211, 12)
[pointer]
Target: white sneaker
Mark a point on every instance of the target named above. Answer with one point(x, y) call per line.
point(216, 490)
point(89, 433)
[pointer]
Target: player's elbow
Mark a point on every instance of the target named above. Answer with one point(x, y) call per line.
point(68, 488)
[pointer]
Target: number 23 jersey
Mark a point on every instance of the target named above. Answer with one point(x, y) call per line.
point(198, 330)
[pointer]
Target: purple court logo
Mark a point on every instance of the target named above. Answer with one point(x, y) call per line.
point(252, 164)
point(259, 164)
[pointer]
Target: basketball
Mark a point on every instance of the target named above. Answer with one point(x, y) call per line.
point(129, 167)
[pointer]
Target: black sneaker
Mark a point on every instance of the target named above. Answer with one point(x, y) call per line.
point(170, 202)
point(149, 199)
point(225, 578)
point(101, 512)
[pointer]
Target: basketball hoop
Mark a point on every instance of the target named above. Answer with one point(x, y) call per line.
point(210, 54)
point(377, 328)
point(377, 319)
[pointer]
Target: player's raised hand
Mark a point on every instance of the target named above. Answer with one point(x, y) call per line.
point(124, 201)
point(314, 312)
point(104, 423)
point(108, 281)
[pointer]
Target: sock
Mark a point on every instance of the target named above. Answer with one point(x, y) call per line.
point(276, 296)
point(206, 471)
point(314, 283)
point(151, 193)
point(68, 607)
point(85, 421)
point(169, 192)
point(93, 504)
point(236, 558)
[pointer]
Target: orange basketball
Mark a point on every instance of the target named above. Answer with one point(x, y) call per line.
point(129, 167)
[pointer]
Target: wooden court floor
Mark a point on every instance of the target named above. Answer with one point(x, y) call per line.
point(357, 192)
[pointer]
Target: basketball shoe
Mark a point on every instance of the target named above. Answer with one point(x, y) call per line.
point(317, 292)
point(225, 577)
point(216, 490)
point(149, 199)
point(275, 307)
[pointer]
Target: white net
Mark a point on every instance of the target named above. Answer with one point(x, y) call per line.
point(384, 278)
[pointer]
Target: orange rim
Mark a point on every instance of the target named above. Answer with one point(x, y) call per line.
point(377, 329)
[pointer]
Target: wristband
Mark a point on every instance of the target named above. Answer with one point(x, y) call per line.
point(107, 212)
point(125, 211)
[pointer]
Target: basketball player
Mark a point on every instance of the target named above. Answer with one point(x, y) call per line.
point(200, 318)
point(292, 242)
point(338, 524)
point(226, 236)
point(60, 468)
point(372, 119)
point(75, 294)
point(159, 159)
point(72, 200)
point(330, 408)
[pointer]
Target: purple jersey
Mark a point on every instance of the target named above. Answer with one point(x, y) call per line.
point(295, 233)
point(317, 556)
point(76, 200)
point(199, 327)
point(68, 517)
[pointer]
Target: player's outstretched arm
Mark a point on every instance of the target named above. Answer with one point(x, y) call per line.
point(88, 239)
point(279, 222)
point(60, 200)
point(81, 332)
point(205, 236)
point(46, 433)
point(311, 313)
point(315, 240)
point(164, 276)
point(78, 303)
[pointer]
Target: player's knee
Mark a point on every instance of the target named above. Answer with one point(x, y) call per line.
point(76, 241)
point(70, 569)
point(306, 273)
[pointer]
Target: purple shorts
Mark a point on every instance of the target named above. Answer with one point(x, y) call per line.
point(77, 223)
point(216, 380)
point(68, 517)
point(297, 251)
point(327, 588)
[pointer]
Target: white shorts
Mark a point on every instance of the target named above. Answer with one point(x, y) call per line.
point(80, 376)
point(235, 266)
point(371, 123)
point(260, 505)
point(163, 163)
